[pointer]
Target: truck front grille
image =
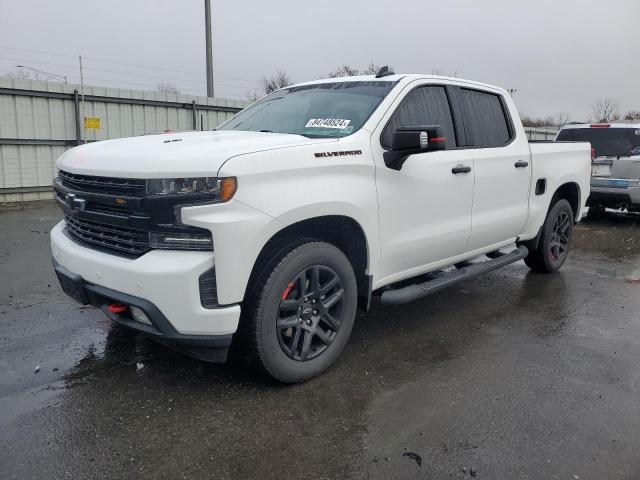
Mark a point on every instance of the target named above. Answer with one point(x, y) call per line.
point(108, 237)
point(116, 215)
point(133, 187)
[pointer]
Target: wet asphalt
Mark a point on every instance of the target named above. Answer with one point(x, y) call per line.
point(512, 375)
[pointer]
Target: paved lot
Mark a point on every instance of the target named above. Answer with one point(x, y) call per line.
point(513, 375)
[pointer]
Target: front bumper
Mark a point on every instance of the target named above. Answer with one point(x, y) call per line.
point(211, 348)
point(166, 279)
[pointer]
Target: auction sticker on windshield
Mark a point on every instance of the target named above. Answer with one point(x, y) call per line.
point(338, 123)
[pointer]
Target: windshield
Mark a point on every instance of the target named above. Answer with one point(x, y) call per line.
point(317, 110)
point(607, 142)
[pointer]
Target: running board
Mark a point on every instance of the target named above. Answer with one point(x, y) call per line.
point(418, 290)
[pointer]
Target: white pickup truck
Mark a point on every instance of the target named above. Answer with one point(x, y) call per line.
point(272, 230)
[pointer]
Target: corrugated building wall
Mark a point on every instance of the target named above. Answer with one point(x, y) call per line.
point(39, 120)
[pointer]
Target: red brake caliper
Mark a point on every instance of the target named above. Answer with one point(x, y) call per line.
point(287, 290)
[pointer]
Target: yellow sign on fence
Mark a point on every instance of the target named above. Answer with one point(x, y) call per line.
point(92, 122)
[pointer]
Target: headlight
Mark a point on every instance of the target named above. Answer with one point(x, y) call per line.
point(220, 189)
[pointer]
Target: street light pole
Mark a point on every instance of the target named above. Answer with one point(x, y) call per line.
point(207, 28)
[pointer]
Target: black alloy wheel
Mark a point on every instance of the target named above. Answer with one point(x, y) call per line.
point(310, 313)
point(559, 242)
point(299, 309)
point(552, 249)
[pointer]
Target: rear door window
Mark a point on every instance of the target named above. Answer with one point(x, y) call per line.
point(485, 120)
point(422, 106)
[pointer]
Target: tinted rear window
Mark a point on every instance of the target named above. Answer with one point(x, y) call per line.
point(484, 118)
point(608, 142)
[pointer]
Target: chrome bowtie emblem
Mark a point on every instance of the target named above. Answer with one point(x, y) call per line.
point(74, 202)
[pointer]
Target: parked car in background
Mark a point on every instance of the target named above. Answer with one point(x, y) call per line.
point(273, 229)
point(615, 170)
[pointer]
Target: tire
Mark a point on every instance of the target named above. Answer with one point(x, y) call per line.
point(295, 335)
point(555, 240)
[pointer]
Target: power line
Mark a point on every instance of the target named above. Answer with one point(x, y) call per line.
point(96, 59)
point(44, 52)
point(148, 85)
point(37, 51)
point(37, 61)
point(157, 77)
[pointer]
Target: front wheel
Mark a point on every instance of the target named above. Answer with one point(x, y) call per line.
point(555, 240)
point(302, 309)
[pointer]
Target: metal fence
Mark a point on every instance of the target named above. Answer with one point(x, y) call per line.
point(541, 133)
point(40, 120)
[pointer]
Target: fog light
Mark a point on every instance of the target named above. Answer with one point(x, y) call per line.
point(139, 316)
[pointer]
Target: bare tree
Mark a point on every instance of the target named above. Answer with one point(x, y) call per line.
point(344, 71)
point(548, 121)
point(253, 95)
point(604, 110)
point(275, 82)
point(560, 119)
point(372, 69)
point(167, 88)
point(268, 85)
point(632, 115)
point(349, 71)
point(440, 72)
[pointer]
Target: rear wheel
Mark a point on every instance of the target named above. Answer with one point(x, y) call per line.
point(302, 310)
point(555, 240)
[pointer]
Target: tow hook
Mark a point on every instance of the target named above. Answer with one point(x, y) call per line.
point(117, 307)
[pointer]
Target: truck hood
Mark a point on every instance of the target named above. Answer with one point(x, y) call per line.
point(180, 154)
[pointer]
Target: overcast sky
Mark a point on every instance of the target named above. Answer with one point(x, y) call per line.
point(560, 55)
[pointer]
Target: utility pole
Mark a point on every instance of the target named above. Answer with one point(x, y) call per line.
point(82, 97)
point(207, 28)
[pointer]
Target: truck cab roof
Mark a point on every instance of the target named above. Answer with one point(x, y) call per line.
point(401, 77)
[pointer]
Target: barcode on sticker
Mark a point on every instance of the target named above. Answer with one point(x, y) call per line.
point(339, 123)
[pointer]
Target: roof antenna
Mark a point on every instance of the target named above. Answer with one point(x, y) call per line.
point(385, 72)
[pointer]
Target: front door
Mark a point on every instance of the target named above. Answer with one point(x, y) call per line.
point(424, 208)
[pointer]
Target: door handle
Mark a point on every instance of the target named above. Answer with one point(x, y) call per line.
point(521, 164)
point(461, 169)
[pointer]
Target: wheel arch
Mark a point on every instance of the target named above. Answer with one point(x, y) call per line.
point(569, 191)
point(342, 231)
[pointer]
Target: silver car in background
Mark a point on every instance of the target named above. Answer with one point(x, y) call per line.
point(615, 169)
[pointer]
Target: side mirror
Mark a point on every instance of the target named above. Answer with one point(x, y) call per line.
point(425, 138)
point(412, 139)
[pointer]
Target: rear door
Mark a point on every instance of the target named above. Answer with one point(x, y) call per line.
point(502, 168)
